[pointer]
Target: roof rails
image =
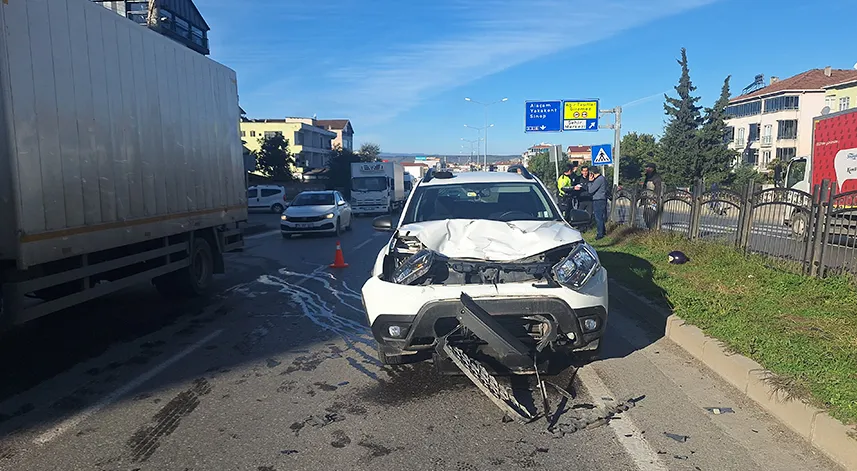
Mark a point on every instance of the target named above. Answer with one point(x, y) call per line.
point(432, 173)
point(519, 168)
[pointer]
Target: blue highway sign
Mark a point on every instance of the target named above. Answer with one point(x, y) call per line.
point(543, 116)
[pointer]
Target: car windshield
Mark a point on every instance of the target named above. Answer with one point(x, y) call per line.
point(491, 201)
point(313, 199)
point(369, 183)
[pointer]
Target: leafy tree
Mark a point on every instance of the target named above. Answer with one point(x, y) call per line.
point(369, 152)
point(339, 173)
point(273, 159)
point(680, 144)
point(541, 166)
point(715, 158)
point(743, 175)
point(637, 150)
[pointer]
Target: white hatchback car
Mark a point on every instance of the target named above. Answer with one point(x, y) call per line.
point(314, 212)
point(495, 239)
point(271, 197)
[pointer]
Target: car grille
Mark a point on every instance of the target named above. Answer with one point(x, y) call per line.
point(377, 202)
point(306, 219)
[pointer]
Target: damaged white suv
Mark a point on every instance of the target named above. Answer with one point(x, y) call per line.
point(485, 261)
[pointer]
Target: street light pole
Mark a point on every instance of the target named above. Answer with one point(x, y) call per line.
point(486, 105)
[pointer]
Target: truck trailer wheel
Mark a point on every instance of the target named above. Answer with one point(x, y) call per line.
point(800, 225)
point(193, 280)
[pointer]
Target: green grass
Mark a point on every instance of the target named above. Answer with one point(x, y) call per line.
point(802, 329)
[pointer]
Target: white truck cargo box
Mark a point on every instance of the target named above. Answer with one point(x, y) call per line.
point(110, 133)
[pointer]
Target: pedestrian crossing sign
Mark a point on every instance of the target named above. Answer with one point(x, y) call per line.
point(602, 155)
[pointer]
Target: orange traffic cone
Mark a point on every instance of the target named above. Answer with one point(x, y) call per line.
point(338, 259)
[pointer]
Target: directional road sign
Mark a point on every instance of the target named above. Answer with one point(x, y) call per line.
point(602, 155)
point(543, 116)
point(580, 115)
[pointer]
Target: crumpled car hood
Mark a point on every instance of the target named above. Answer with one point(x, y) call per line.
point(491, 240)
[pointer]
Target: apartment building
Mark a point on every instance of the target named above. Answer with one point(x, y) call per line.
point(841, 96)
point(775, 122)
point(580, 154)
point(344, 132)
point(310, 145)
point(178, 20)
point(533, 151)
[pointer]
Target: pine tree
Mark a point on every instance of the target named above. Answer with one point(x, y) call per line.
point(716, 157)
point(680, 144)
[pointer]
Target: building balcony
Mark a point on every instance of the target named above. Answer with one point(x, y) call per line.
point(767, 141)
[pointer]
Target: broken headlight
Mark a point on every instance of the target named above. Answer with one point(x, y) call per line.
point(414, 268)
point(576, 269)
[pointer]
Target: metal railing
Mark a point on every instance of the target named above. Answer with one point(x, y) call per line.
point(814, 234)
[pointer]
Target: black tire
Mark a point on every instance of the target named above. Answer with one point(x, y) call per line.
point(350, 223)
point(391, 359)
point(338, 227)
point(194, 280)
point(277, 208)
point(800, 225)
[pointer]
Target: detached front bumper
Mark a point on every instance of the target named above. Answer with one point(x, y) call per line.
point(422, 314)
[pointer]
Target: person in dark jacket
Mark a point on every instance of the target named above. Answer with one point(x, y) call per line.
point(596, 190)
point(654, 183)
point(584, 199)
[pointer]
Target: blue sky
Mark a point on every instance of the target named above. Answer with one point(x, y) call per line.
point(400, 70)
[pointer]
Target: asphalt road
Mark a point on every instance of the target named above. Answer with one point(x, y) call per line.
point(278, 372)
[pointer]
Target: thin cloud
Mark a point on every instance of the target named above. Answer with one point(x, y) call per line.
point(496, 36)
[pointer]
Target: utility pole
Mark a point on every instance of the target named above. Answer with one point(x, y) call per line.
point(617, 139)
point(486, 105)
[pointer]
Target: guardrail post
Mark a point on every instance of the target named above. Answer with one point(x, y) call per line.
point(825, 233)
point(817, 221)
point(613, 203)
point(695, 209)
point(745, 219)
point(634, 197)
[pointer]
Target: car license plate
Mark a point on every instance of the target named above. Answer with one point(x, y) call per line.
point(303, 226)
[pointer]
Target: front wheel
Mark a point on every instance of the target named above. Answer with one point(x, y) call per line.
point(277, 208)
point(338, 227)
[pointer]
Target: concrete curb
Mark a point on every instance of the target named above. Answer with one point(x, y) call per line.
point(828, 435)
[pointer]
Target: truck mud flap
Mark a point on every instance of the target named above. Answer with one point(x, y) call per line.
point(500, 395)
point(232, 239)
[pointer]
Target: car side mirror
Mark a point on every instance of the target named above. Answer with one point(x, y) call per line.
point(578, 217)
point(341, 203)
point(383, 223)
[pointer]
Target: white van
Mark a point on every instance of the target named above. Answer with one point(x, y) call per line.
point(270, 197)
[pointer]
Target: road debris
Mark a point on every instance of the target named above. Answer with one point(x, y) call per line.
point(583, 418)
point(676, 437)
point(720, 410)
point(321, 421)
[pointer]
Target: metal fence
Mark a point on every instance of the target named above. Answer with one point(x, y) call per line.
point(815, 234)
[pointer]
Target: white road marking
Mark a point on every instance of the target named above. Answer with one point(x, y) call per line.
point(370, 239)
point(263, 234)
point(76, 419)
point(644, 457)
